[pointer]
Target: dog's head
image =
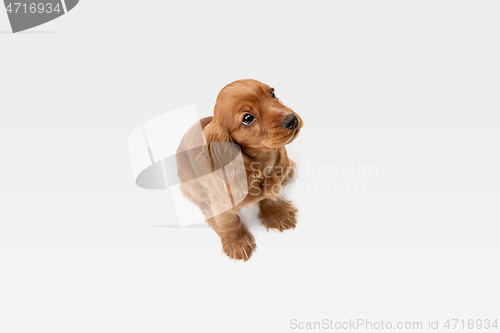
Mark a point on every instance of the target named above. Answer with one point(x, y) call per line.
point(248, 113)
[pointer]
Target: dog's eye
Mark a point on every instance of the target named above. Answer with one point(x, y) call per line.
point(273, 95)
point(248, 119)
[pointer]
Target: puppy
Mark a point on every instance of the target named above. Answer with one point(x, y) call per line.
point(237, 158)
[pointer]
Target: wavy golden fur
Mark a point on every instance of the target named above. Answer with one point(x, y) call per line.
point(248, 118)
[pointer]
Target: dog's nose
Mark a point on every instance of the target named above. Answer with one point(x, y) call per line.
point(290, 122)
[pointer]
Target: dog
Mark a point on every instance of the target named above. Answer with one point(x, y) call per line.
point(237, 158)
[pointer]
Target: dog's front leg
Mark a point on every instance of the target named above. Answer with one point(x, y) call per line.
point(237, 242)
point(278, 214)
point(292, 171)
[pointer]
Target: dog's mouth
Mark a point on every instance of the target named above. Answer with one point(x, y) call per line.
point(274, 143)
point(294, 135)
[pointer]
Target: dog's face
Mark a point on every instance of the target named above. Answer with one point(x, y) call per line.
point(254, 117)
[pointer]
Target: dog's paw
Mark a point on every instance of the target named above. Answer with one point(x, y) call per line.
point(239, 246)
point(281, 216)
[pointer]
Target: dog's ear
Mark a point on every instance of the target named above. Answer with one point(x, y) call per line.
point(225, 161)
point(220, 145)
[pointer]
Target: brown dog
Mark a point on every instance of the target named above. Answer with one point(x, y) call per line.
point(238, 157)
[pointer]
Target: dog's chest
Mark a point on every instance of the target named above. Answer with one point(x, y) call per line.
point(266, 181)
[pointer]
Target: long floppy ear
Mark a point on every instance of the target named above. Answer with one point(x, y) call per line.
point(221, 146)
point(226, 161)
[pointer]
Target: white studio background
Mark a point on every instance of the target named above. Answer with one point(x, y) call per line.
point(409, 88)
